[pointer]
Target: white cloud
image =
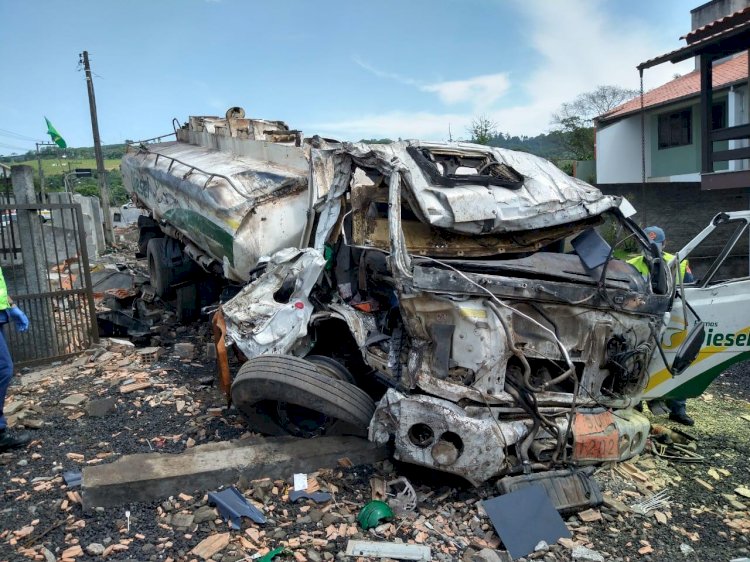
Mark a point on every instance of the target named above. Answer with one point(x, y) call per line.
point(383, 74)
point(580, 46)
point(481, 91)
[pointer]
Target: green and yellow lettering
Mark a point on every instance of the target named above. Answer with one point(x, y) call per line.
point(741, 339)
point(729, 340)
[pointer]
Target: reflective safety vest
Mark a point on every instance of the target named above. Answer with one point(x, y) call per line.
point(4, 303)
point(639, 262)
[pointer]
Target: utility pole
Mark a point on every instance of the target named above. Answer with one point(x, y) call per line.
point(101, 172)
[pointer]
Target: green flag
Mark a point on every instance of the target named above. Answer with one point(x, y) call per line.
point(56, 138)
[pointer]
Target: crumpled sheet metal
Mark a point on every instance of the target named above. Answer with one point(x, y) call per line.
point(256, 322)
point(548, 196)
point(233, 506)
point(483, 439)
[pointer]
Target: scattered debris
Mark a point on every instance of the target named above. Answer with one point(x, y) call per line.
point(570, 490)
point(374, 513)
point(651, 503)
point(272, 554)
point(128, 388)
point(233, 506)
point(317, 497)
point(524, 517)
point(211, 545)
point(401, 496)
point(72, 478)
point(388, 550)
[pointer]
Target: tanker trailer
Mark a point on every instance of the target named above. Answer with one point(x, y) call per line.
point(225, 193)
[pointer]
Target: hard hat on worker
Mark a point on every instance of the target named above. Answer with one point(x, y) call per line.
point(656, 235)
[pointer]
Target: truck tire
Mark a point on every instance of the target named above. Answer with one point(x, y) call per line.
point(159, 270)
point(288, 380)
point(148, 229)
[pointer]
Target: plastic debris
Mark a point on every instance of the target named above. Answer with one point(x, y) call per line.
point(317, 497)
point(401, 496)
point(72, 478)
point(233, 506)
point(395, 551)
point(523, 518)
point(271, 555)
point(374, 513)
point(300, 482)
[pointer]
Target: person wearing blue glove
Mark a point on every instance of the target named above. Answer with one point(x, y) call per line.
point(8, 312)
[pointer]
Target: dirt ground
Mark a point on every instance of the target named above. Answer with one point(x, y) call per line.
point(41, 518)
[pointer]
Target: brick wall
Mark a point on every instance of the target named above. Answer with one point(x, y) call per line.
point(683, 210)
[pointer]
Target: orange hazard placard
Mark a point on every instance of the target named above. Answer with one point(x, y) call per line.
point(595, 437)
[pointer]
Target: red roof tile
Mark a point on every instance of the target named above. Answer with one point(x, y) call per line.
point(718, 25)
point(724, 74)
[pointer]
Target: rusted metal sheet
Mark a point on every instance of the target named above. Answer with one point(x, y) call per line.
point(219, 327)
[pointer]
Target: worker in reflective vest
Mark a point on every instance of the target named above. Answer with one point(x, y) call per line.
point(677, 406)
point(8, 312)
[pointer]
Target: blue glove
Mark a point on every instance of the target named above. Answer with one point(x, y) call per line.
point(22, 323)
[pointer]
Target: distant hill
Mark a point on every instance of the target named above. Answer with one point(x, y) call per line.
point(56, 162)
point(547, 146)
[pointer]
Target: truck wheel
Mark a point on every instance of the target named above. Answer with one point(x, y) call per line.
point(159, 270)
point(148, 229)
point(308, 402)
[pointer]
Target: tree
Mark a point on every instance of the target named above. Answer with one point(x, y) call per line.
point(574, 121)
point(482, 130)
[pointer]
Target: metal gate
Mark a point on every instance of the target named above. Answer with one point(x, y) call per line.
point(44, 259)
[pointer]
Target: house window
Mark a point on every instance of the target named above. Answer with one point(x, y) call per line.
point(675, 129)
point(719, 115)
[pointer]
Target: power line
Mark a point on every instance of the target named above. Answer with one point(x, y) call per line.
point(14, 147)
point(18, 136)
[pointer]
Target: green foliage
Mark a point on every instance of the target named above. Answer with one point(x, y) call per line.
point(577, 138)
point(545, 145)
point(574, 120)
point(482, 130)
point(376, 141)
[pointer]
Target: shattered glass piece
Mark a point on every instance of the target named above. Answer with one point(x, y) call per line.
point(233, 506)
point(317, 497)
point(72, 478)
point(525, 517)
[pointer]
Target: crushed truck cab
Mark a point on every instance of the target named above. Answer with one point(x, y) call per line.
point(460, 302)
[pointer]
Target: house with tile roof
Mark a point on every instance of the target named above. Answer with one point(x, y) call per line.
point(661, 133)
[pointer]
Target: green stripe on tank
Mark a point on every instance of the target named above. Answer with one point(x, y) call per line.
point(203, 230)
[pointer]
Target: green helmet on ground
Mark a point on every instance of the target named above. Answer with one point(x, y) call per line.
point(374, 513)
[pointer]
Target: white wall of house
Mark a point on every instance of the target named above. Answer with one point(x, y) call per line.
point(618, 151)
point(737, 114)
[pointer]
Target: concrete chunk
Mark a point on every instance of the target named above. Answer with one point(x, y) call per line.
point(73, 400)
point(150, 476)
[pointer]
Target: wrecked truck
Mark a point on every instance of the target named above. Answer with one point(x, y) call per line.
point(459, 302)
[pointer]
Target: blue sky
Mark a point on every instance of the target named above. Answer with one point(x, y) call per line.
point(347, 69)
